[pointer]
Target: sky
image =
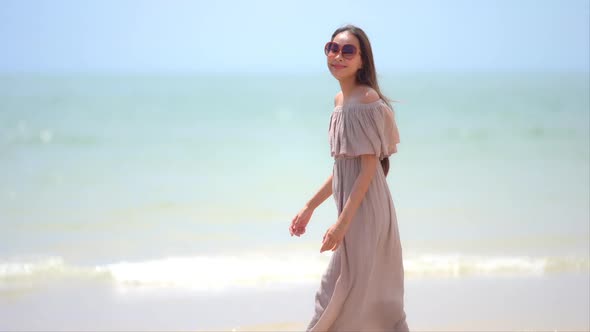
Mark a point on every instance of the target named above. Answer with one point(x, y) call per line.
point(221, 36)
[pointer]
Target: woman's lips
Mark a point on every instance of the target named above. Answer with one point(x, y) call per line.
point(336, 66)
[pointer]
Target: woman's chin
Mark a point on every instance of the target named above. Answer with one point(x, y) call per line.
point(339, 75)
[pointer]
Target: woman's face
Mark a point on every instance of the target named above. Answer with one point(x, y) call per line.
point(339, 65)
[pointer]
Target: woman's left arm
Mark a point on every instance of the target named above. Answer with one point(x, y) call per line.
point(335, 233)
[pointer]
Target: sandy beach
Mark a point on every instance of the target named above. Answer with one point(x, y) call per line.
point(549, 303)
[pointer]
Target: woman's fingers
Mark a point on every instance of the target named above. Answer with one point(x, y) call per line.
point(298, 224)
point(327, 242)
point(292, 228)
point(336, 245)
point(295, 228)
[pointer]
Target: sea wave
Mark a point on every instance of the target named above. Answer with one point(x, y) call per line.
point(219, 273)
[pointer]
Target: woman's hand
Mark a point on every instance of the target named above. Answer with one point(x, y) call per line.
point(333, 237)
point(300, 221)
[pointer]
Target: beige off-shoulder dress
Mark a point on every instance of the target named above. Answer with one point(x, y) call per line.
point(363, 286)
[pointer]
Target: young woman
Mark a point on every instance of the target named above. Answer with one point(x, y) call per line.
point(363, 286)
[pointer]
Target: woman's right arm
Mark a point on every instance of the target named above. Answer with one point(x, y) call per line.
point(322, 194)
point(302, 218)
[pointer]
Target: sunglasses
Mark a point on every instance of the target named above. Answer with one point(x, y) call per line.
point(348, 50)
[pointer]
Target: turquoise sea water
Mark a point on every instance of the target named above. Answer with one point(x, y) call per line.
point(193, 180)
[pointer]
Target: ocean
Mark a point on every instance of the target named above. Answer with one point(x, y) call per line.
point(188, 183)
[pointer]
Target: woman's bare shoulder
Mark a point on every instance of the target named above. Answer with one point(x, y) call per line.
point(368, 95)
point(338, 99)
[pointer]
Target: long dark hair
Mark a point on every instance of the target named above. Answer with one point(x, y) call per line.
point(366, 75)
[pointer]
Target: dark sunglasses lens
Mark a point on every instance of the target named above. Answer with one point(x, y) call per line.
point(348, 51)
point(331, 48)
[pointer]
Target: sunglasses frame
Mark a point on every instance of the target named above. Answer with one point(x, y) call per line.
point(328, 50)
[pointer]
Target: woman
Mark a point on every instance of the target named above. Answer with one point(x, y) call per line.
point(363, 286)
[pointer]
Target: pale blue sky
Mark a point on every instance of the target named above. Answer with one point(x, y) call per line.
point(288, 36)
